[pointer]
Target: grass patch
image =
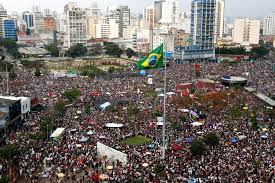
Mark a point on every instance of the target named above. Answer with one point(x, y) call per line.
point(136, 140)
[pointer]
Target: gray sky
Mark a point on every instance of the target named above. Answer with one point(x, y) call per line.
point(234, 8)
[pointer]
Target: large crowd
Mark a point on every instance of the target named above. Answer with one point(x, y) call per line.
point(78, 161)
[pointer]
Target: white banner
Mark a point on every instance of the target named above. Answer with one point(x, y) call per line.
point(150, 81)
point(112, 154)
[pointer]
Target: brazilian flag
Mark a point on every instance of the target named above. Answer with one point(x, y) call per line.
point(153, 60)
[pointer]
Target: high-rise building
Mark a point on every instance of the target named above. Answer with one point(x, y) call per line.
point(47, 12)
point(49, 24)
point(269, 24)
point(219, 20)
point(9, 29)
point(38, 21)
point(246, 31)
point(122, 15)
point(150, 16)
point(3, 15)
point(158, 9)
point(28, 19)
point(76, 25)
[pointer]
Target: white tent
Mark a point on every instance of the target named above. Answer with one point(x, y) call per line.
point(57, 133)
point(114, 125)
point(105, 105)
point(197, 124)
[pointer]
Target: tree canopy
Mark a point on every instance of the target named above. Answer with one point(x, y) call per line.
point(130, 53)
point(53, 49)
point(113, 49)
point(78, 50)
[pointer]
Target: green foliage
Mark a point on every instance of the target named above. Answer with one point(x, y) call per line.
point(160, 170)
point(47, 125)
point(11, 47)
point(25, 63)
point(96, 50)
point(113, 49)
point(91, 71)
point(230, 51)
point(37, 72)
point(235, 112)
point(177, 126)
point(5, 65)
point(60, 107)
point(53, 49)
point(72, 95)
point(197, 148)
point(78, 50)
point(12, 75)
point(87, 109)
point(260, 51)
point(4, 180)
point(211, 139)
point(130, 53)
point(8, 152)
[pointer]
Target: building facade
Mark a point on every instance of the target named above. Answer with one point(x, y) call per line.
point(150, 16)
point(49, 24)
point(246, 31)
point(28, 20)
point(219, 19)
point(3, 15)
point(38, 22)
point(180, 37)
point(9, 29)
point(76, 20)
point(269, 25)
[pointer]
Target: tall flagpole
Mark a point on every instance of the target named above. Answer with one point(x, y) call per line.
point(7, 75)
point(164, 109)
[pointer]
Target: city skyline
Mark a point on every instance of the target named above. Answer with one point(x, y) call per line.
point(233, 8)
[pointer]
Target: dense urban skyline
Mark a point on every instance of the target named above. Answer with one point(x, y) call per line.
point(234, 8)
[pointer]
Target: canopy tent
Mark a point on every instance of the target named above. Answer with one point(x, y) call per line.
point(84, 139)
point(57, 133)
point(105, 105)
point(176, 147)
point(197, 124)
point(114, 125)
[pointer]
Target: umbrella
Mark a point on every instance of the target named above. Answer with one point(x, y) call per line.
point(189, 140)
point(145, 164)
point(197, 124)
point(76, 117)
point(264, 136)
point(84, 139)
point(60, 175)
point(103, 177)
point(234, 140)
point(241, 137)
point(90, 133)
point(151, 146)
point(264, 129)
point(78, 145)
point(148, 153)
point(176, 147)
point(109, 167)
point(78, 112)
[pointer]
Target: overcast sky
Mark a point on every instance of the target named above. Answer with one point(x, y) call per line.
point(234, 8)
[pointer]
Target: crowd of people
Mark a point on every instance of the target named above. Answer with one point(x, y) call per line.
point(134, 104)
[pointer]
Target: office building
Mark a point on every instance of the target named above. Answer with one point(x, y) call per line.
point(269, 25)
point(3, 15)
point(246, 31)
point(76, 20)
point(160, 37)
point(150, 16)
point(180, 36)
point(28, 20)
point(201, 40)
point(47, 12)
point(219, 19)
point(158, 9)
point(9, 29)
point(49, 24)
point(38, 21)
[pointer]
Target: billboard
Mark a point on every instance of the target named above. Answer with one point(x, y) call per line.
point(110, 153)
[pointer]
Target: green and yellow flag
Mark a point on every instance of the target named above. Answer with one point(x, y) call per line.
point(153, 60)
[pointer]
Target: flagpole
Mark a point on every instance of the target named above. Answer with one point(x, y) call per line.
point(164, 109)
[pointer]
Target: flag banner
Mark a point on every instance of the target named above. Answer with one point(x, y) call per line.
point(153, 60)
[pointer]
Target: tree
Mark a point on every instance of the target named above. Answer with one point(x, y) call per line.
point(28, 32)
point(130, 53)
point(197, 148)
point(113, 49)
point(96, 50)
point(77, 51)
point(72, 95)
point(11, 47)
point(259, 51)
point(231, 51)
point(37, 72)
point(53, 49)
point(60, 107)
point(211, 139)
point(12, 75)
point(160, 170)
